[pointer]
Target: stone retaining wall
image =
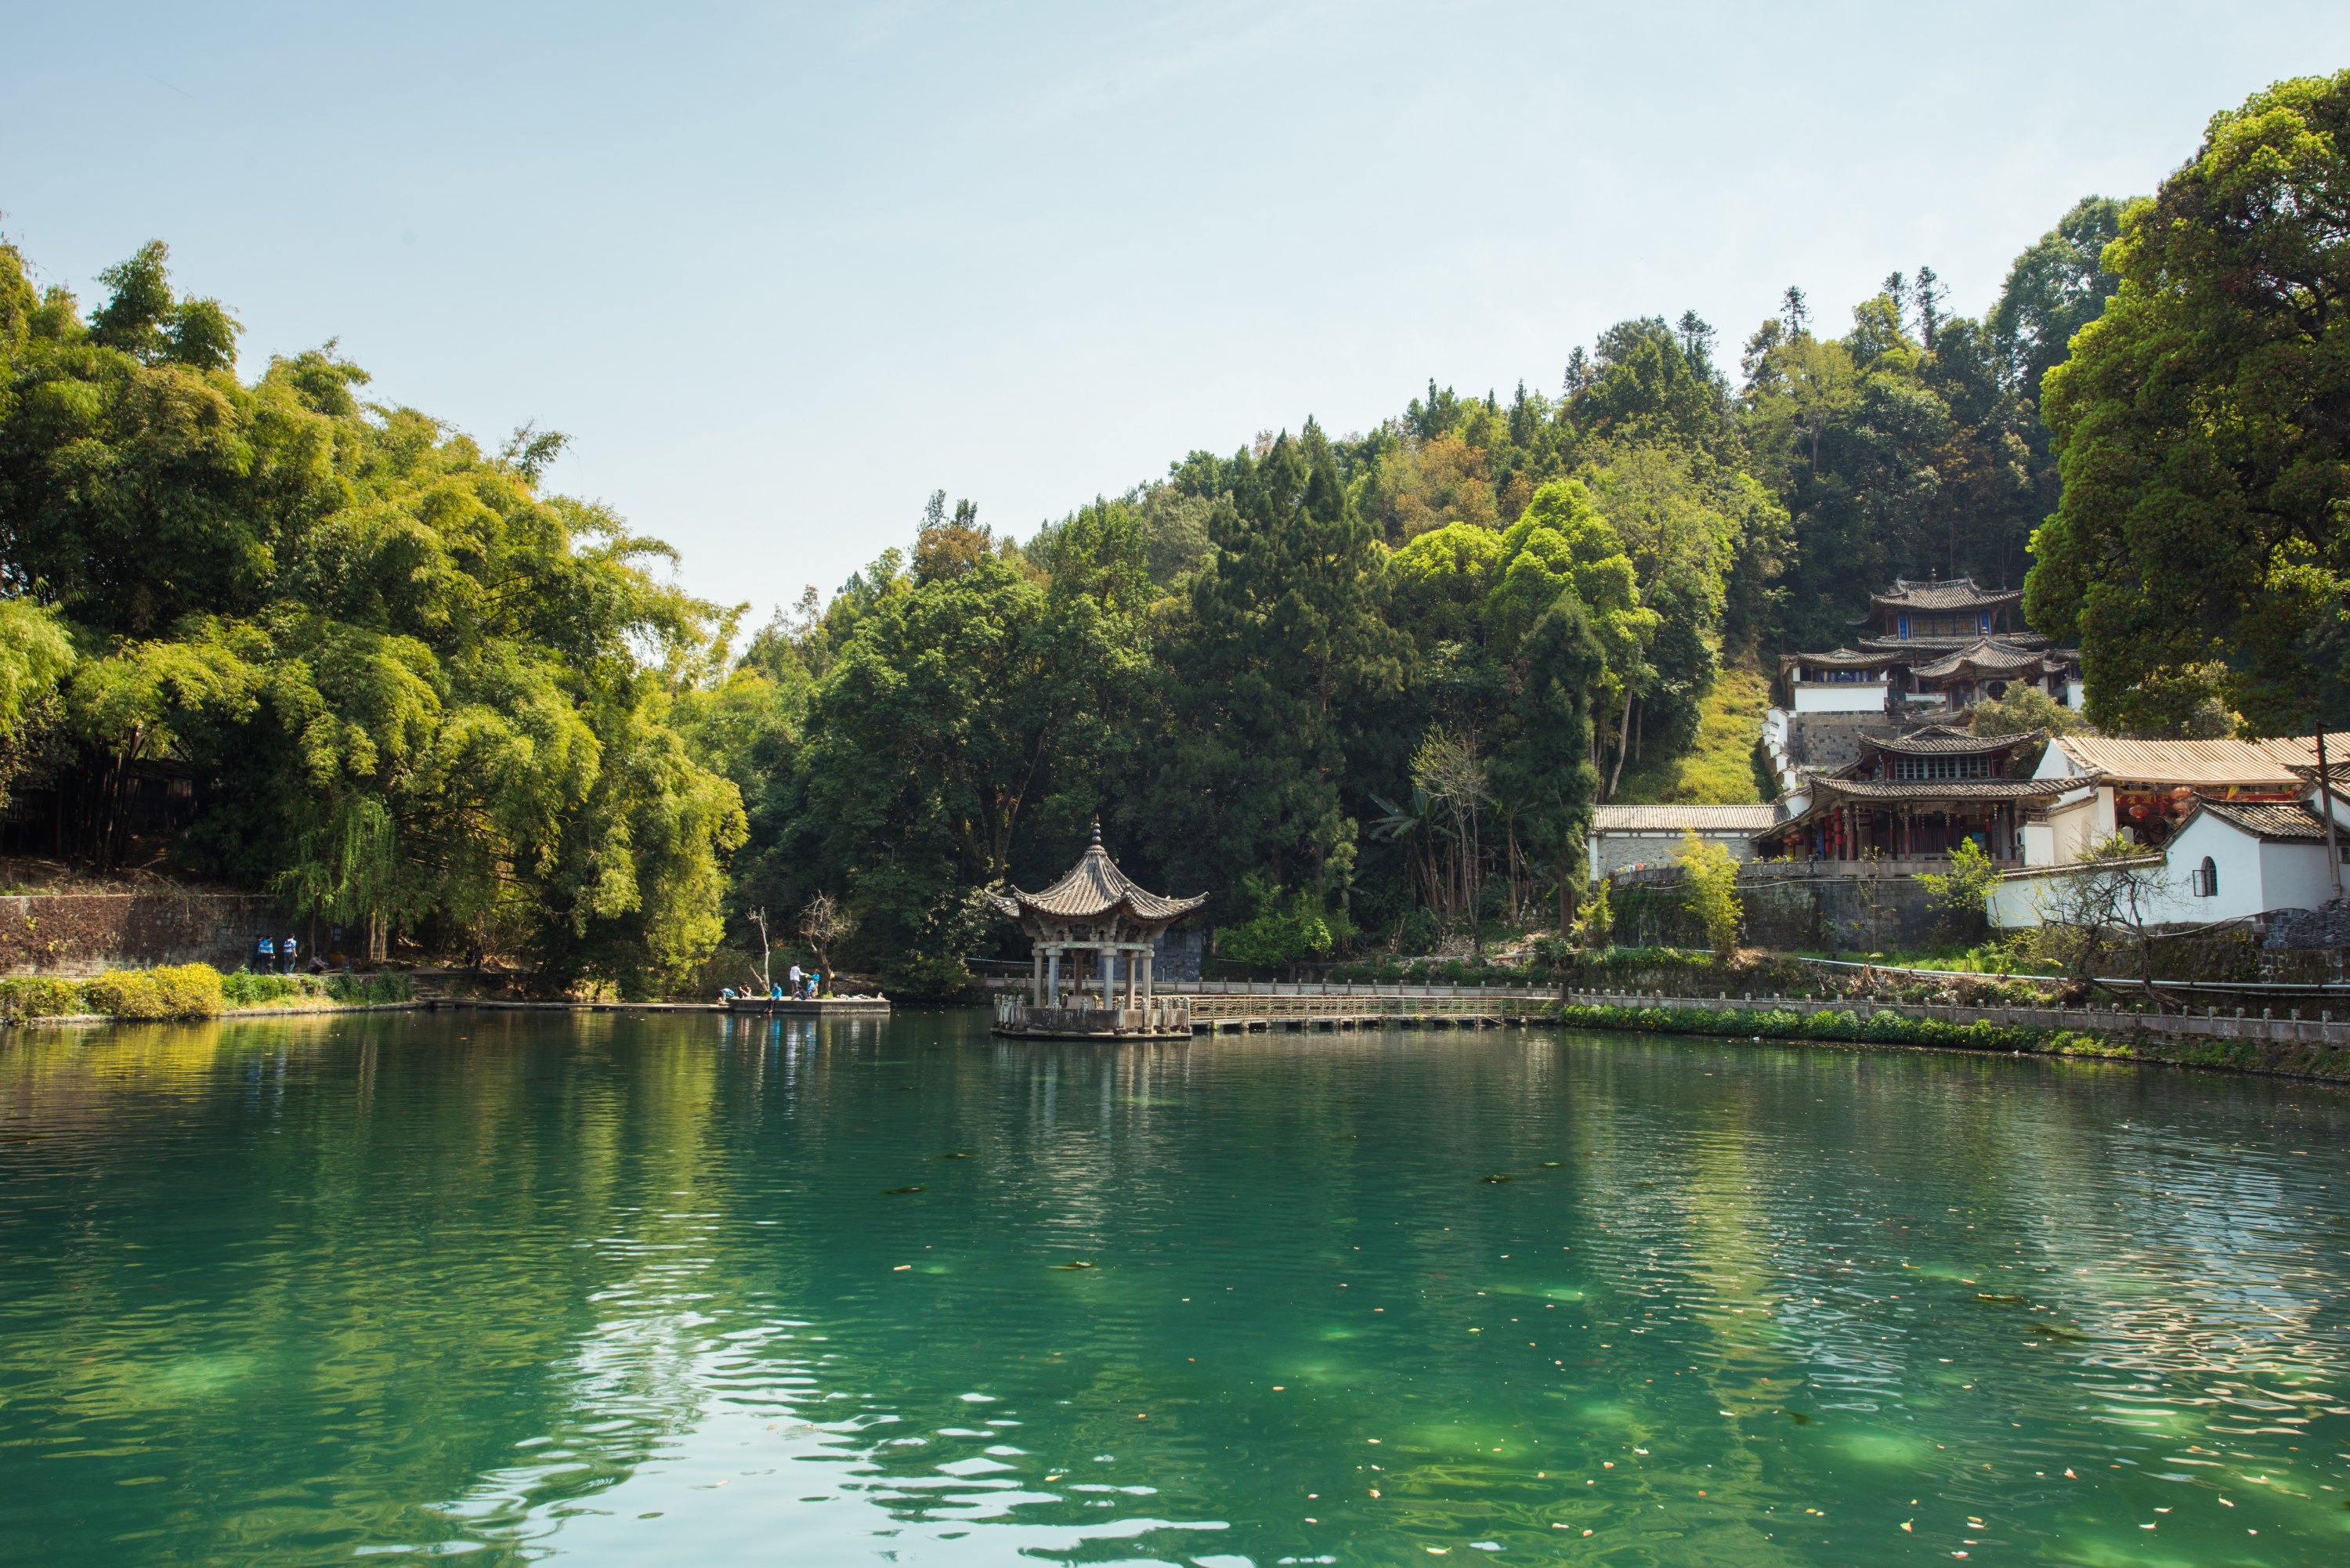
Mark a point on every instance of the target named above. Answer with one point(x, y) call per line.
point(77, 934)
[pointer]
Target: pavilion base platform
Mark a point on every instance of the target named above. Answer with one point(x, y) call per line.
point(1154, 1018)
point(819, 1007)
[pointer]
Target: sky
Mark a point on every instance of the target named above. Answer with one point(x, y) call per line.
point(780, 272)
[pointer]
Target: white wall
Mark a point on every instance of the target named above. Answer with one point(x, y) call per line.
point(2074, 827)
point(2254, 877)
point(2236, 856)
point(2053, 763)
point(1839, 697)
point(2293, 876)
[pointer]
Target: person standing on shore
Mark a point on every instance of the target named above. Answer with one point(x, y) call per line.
point(264, 957)
point(290, 948)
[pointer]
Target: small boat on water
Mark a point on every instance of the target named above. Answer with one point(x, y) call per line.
point(811, 1007)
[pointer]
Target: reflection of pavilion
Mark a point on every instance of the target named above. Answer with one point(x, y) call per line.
point(1101, 923)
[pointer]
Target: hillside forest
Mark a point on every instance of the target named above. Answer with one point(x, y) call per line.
point(1365, 689)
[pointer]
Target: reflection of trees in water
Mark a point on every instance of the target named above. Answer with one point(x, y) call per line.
point(512, 1263)
point(403, 1302)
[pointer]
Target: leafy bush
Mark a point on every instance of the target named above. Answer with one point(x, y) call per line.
point(1883, 1027)
point(1712, 881)
point(1282, 931)
point(246, 989)
point(369, 990)
point(39, 996)
point(179, 990)
point(1963, 894)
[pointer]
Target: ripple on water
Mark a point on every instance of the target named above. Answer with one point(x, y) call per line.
point(635, 1289)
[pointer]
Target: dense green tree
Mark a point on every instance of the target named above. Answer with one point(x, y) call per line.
point(409, 688)
point(2200, 550)
point(1283, 633)
point(2054, 289)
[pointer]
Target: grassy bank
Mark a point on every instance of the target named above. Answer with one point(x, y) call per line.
point(1851, 1026)
point(188, 991)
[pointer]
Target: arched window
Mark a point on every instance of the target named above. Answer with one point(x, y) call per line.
point(2207, 879)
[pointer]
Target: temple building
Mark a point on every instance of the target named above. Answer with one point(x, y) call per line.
point(1913, 797)
point(1926, 649)
point(1091, 956)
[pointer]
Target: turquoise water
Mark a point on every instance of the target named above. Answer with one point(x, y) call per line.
point(685, 1289)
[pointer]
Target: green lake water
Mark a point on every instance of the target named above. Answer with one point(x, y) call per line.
point(684, 1289)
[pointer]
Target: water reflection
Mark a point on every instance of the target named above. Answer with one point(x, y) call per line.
point(712, 1289)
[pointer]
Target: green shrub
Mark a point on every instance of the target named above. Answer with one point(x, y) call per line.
point(1280, 932)
point(39, 996)
point(246, 989)
point(181, 991)
point(369, 990)
point(1711, 875)
point(1883, 1027)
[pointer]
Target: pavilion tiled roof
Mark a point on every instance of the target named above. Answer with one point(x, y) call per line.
point(1988, 656)
point(1093, 888)
point(1944, 594)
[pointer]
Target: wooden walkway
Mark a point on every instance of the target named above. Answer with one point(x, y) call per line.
point(1213, 1014)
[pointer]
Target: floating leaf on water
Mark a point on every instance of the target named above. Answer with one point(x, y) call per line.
point(1553, 1164)
point(954, 1156)
point(1497, 1178)
point(1078, 1263)
point(2054, 1331)
point(1997, 1299)
point(900, 1191)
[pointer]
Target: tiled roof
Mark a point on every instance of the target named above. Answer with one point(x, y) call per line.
point(2209, 763)
point(2270, 821)
point(2301, 750)
point(1953, 593)
point(1943, 789)
point(1923, 744)
point(1842, 659)
point(1987, 656)
point(1092, 889)
point(1920, 646)
point(1672, 818)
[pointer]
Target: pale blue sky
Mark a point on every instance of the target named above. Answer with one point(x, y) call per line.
point(783, 271)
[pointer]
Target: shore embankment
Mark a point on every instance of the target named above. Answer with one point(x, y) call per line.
point(2210, 1039)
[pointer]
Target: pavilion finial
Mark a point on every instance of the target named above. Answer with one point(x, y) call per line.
point(1097, 830)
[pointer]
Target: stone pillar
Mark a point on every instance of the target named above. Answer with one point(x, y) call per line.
point(1106, 955)
point(1144, 958)
point(1036, 977)
point(1052, 978)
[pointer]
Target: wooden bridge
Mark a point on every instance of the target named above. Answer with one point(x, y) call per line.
point(1490, 1009)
